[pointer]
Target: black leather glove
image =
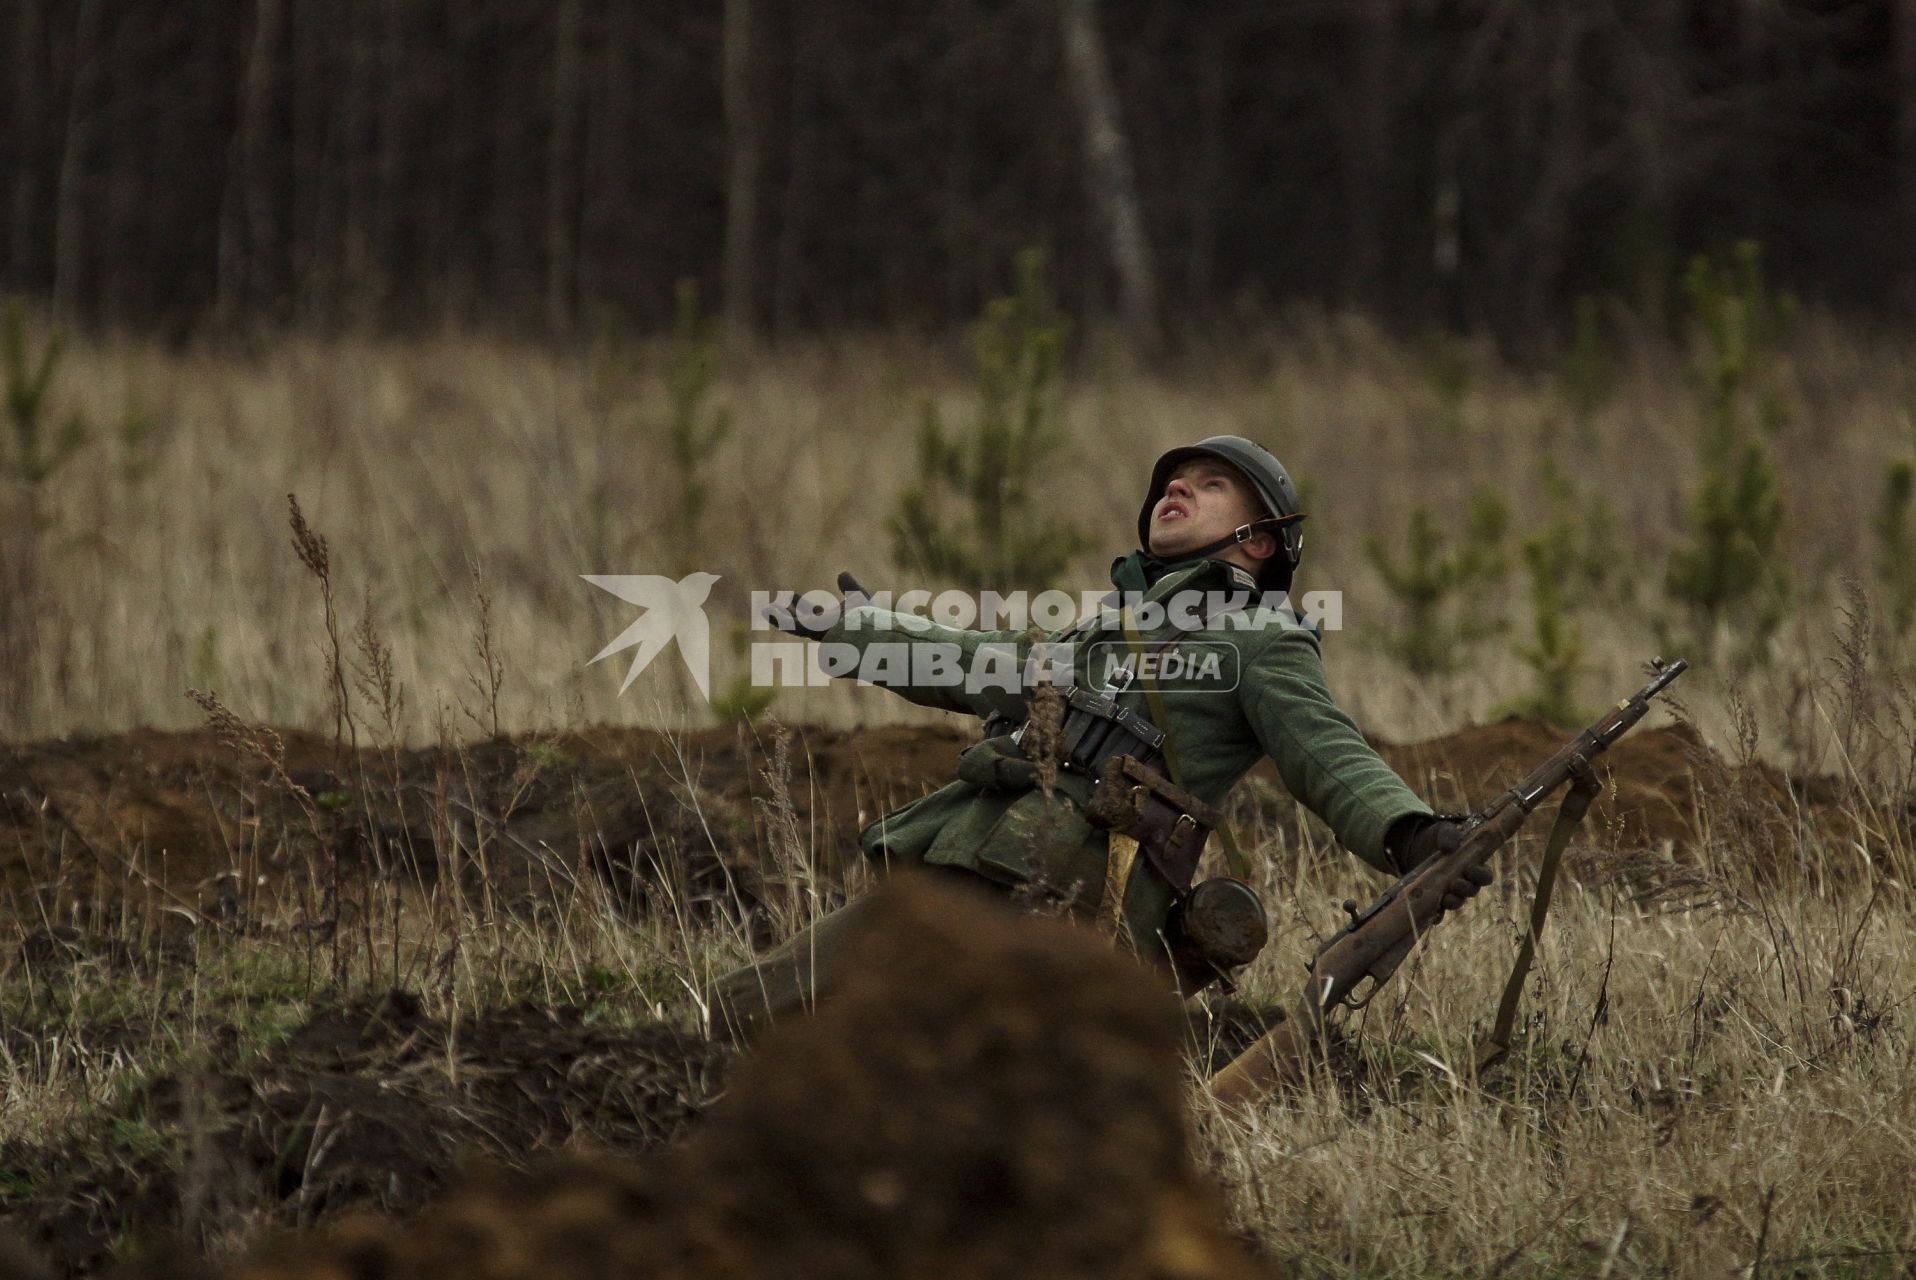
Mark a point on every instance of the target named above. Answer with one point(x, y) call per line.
point(789, 621)
point(1415, 840)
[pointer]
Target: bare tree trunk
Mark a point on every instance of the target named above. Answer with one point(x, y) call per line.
point(1563, 146)
point(459, 254)
point(1368, 156)
point(69, 232)
point(741, 203)
point(1752, 53)
point(356, 122)
point(1906, 112)
point(1108, 169)
point(1211, 148)
point(246, 215)
point(1447, 225)
point(800, 172)
point(561, 166)
point(504, 233)
point(384, 283)
point(1656, 85)
point(604, 147)
point(29, 96)
point(308, 87)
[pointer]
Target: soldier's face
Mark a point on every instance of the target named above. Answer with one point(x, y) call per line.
point(1204, 501)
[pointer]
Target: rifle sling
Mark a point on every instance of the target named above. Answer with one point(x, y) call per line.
point(1583, 789)
point(1234, 857)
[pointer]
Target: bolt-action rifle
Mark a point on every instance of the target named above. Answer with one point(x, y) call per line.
point(1376, 940)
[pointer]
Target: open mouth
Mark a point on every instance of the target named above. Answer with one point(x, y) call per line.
point(1172, 509)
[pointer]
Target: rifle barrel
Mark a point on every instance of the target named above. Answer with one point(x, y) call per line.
point(1549, 775)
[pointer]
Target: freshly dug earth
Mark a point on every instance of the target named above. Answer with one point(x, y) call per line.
point(985, 1097)
point(190, 823)
point(372, 1104)
point(1650, 776)
point(195, 824)
point(1666, 794)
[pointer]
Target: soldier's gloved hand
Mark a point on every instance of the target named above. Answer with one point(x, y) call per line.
point(792, 622)
point(853, 594)
point(1432, 837)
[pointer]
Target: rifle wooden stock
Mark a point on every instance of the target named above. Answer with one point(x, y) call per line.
point(1372, 949)
point(1377, 939)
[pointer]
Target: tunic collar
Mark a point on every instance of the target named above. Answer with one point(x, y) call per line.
point(1153, 579)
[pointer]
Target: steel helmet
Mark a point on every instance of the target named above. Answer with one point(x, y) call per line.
point(1273, 487)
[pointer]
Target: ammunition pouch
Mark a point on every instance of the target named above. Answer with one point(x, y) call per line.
point(1117, 748)
point(1214, 927)
point(1095, 728)
point(1168, 822)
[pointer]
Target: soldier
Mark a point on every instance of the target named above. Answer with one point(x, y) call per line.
point(1105, 801)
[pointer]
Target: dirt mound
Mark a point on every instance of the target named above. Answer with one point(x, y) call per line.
point(986, 1096)
point(706, 819)
point(1650, 776)
point(370, 1104)
point(186, 822)
point(1666, 793)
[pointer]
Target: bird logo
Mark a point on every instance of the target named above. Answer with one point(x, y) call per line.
point(672, 609)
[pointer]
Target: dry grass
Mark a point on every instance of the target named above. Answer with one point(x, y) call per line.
point(1695, 1090)
point(1702, 1081)
point(1713, 1087)
point(440, 468)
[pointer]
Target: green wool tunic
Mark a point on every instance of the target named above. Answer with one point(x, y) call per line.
point(994, 824)
point(1279, 706)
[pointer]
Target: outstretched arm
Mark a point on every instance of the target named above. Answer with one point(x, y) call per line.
point(1319, 752)
point(949, 668)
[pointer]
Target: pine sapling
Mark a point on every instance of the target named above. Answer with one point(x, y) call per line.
point(1439, 588)
point(1586, 375)
point(694, 426)
point(1732, 571)
point(1445, 362)
point(1555, 651)
point(30, 380)
point(1896, 546)
point(972, 515)
point(1585, 529)
point(742, 701)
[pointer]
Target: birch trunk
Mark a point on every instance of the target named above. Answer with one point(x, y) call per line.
point(1906, 111)
point(29, 94)
point(1367, 168)
point(246, 215)
point(741, 204)
point(1109, 174)
point(561, 166)
point(69, 231)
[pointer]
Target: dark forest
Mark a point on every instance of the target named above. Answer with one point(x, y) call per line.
point(527, 164)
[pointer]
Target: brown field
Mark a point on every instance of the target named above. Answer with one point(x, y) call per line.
point(226, 951)
point(161, 560)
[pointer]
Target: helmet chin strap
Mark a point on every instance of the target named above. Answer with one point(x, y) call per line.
point(1243, 534)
